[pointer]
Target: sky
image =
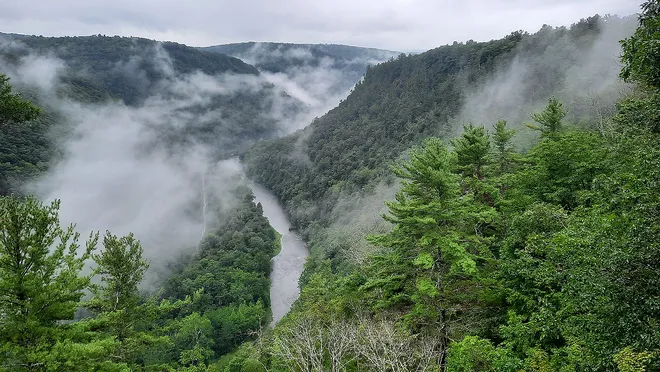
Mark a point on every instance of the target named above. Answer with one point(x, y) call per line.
point(399, 25)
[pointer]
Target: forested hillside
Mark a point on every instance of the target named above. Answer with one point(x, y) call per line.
point(203, 97)
point(126, 131)
point(128, 69)
point(521, 180)
point(280, 57)
point(401, 102)
point(526, 244)
point(317, 74)
point(59, 316)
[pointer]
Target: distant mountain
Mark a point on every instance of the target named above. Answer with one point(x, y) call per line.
point(280, 57)
point(317, 74)
point(178, 94)
point(108, 66)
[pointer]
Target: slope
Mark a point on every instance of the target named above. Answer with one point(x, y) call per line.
point(318, 74)
point(202, 97)
point(415, 96)
point(543, 259)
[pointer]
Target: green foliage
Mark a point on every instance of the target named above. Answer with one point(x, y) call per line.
point(556, 270)
point(472, 150)
point(41, 286)
point(124, 68)
point(23, 150)
point(40, 282)
point(98, 70)
point(348, 63)
point(194, 340)
point(121, 267)
point(234, 260)
point(14, 110)
point(562, 171)
point(234, 324)
point(548, 265)
point(400, 103)
point(503, 147)
point(549, 119)
point(628, 360)
point(641, 51)
point(431, 267)
point(479, 355)
point(229, 276)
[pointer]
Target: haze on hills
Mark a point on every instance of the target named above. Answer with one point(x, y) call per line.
point(482, 206)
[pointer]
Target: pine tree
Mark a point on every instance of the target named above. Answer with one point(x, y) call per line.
point(503, 148)
point(549, 119)
point(40, 281)
point(122, 268)
point(472, 149)
point(427, 269)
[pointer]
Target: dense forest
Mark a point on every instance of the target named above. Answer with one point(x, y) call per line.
point(215, 298)
point(521, 239)
point(537, 259)
point(125, 68)
point(401, 102)
point(204, 97)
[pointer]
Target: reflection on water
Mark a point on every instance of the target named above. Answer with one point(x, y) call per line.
point(288, 264)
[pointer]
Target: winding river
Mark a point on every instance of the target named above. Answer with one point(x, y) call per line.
point(288, 264)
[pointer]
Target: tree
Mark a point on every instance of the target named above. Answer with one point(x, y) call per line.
point(431, 261)
point(472, 149)
point(641, 51)
point(121, 268)
point(549, 119)
point(195, 341)
point(40, 282)
point(503, 148)
point(13, 108)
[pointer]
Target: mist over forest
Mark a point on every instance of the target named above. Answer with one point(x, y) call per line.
point(479, 206)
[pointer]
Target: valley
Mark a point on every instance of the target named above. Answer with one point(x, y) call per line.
point(479, 206)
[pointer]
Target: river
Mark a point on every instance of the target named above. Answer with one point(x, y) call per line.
point(288, 264)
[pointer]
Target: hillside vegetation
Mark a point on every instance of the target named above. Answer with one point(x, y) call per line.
point(522, 235)
point(281, 57)
point(543, 258)
point(401, 102)
point(321, 75)
point(202, 97)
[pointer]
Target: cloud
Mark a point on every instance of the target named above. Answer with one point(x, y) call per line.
point(119, 170)
point(310, 74)
point(406, 25)
point(116, 171)
point(586, 81)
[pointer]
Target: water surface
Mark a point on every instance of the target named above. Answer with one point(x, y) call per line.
point(288, 264)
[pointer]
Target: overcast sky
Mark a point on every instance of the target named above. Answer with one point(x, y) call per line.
point(402, 25)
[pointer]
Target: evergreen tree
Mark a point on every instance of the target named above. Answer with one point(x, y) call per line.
point(40, 282)
point(472, 149)
point(121, 268)
point(549, 119)
point(503, 148)
point(434, 249)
